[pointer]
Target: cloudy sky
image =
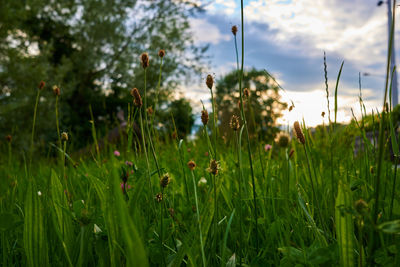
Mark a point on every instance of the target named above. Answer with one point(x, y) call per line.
point(288, 38)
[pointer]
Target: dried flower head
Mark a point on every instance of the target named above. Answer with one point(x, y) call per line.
point(9, 138)
point(204, 117)
point(137, 99)
point(291, 108)
point(191, 165)
point(165, 180)
point(209, 81)
point(323, 114)
point(159, 197)
point(56, 90)
point(214, 167)
point(234, 123)
point(144, 58)
point(361, 206)
point(234, 29)
point(282, 139)
point(291, 153)
point(299, 132)
point(246, 92)
point(64, 136)
point(161, 53)
point(41, 85)
point(150, 110)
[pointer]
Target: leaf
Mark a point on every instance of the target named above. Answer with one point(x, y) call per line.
point(344, 226)
point(391, 227)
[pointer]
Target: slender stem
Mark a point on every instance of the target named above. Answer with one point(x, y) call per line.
point(239, 158)
point(247, 130)
point(198, 220)
point(57, 124)
point(33, 126)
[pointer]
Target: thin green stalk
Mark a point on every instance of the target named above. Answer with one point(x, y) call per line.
point(239, 158)
point(157, 95)
point(33, 126)
point(94, 134)
point(161, 230)
point(247, 130)
point(57, 124)
point(9, 154)
point(198, 220)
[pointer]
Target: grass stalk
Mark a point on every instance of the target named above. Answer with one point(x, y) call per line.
point(33, 126)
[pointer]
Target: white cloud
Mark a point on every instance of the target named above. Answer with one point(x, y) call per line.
point(205, 32)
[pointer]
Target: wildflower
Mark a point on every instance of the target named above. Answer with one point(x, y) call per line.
point(209, 81)
point(282, 139)
point(191, 165)
point(64, 136)
point(39, 193)
point(204, 117)
point(323, 114)
point(214, 167)
point(234, 29)
point(267, 147)
point(234, 123)
point(159, 197)
point(161, 53)
point(202, 182)
point(165, 180)
point(291, 107)
point(246, 92)
point(116, 153)
point(125, 186)
point(299, 132)
point(56, 90)
point(144, 58)
point(137, 99)
point(9, 138)
point(41, 85)
point(128, 163)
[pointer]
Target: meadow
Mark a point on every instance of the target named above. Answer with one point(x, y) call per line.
point(149, 200)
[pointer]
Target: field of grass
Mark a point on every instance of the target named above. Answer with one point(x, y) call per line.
point(305, 201)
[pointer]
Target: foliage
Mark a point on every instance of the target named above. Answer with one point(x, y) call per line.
point(262, 107)
point(91, 50)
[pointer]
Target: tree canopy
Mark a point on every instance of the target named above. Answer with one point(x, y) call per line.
point(261, 100)
point(91, 50)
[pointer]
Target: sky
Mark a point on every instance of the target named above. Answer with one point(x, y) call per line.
point(288, 39)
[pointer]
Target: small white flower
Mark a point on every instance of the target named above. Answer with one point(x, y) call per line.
point(96, 229)
point(202, 182)
point(39, 193)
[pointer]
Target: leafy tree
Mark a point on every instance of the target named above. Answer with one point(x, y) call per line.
point(91, 49)
point(262, 106)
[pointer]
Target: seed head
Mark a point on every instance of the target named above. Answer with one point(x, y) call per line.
point(150, 110)
point(209, 81)
point(282, 139)
point(291, 108)
point(56, 90)
point(144, 58)
point(299, 132)
point(159, 197)
point(361, 206)
point(234, 29)
point(204, 117)
point(323, 114)
point(41, 85)
point(234, 123)
point(291, 153)
point(137, 99)
point(246, 92)
point(214, 167)
point(165, 180)
point(64, 136)
point(191, 165)
point(161, 53)
point(9, 138)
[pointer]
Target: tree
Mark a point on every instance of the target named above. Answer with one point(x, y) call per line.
point(90, 49)
point(262, 105)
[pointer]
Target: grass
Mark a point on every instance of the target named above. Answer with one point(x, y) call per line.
point(306, 204)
